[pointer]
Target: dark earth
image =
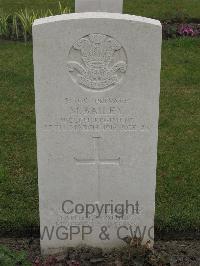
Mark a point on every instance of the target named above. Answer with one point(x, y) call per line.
point(175, 253)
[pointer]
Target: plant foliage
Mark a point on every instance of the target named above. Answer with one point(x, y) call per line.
point(10, 258)
point(18, 26)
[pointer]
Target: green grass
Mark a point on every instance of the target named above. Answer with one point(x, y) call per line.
point(160, 9)
point(14, 5)
point(178, 174)
point(163, 9)
point(18, 174)
point(9, 257)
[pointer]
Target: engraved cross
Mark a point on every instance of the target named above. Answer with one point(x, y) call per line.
point(98, 161)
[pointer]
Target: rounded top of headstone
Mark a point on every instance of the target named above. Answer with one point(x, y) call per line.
point(96, 15)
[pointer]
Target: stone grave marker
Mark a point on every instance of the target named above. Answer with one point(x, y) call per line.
point(112, 6)
point(97, 82)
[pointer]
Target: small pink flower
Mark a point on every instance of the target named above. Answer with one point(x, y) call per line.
point(186, 30)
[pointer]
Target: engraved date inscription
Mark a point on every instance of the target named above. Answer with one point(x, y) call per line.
point(96, 114)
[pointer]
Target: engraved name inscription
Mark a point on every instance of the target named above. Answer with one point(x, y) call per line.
point(96, 114)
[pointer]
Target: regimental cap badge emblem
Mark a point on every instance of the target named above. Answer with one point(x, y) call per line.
point(97, 62)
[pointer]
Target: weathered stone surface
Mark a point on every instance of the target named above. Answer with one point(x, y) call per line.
point(97, 81)
point(112, 6)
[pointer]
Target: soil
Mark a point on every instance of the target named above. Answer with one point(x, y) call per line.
point(176, 253)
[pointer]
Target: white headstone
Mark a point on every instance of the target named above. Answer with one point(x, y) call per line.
point(112, 6)
point(97, 82)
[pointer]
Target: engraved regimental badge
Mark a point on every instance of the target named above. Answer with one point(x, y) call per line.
point(97, 62)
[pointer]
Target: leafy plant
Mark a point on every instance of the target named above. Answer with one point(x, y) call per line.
point(26, 19)
point(10, 258)
point(4, 29)
point(63, 10)
point(169, 31)
point(184, 30)
point(19, 25)
point(15, 27)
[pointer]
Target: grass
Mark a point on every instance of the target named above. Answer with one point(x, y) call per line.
point(9, 257)
point(163, 9)
point(18, 174)
point(160, 9)
point(12, 5)
point(178, 192)
point(178, 182)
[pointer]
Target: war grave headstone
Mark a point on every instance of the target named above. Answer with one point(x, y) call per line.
point(97, 83)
